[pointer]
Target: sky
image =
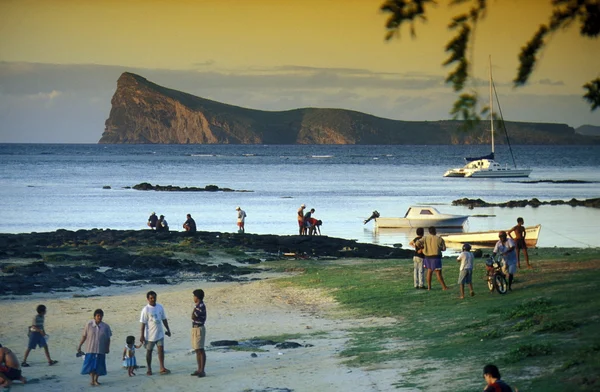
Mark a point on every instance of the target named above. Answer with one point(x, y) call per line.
point(60, 60)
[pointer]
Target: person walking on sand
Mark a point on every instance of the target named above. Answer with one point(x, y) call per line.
point(190, 224)
point(96, 336)
point(419, 269)
point(37, 336)
point(199, 332)
point(152, 334)
point(10, 370)
point(301, 227)
point(241, 218)
point(519, 239)
point(491, 375)
point(432, 250)
point(465, 275)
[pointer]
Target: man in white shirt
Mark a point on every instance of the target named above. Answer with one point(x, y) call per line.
point(506, 247)
point(152, 334)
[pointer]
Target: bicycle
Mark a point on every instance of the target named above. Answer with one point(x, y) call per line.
point(496, 279)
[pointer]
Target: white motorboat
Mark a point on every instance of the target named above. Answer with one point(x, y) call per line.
point(489, 238)
point(486, 166)
point(425, 216)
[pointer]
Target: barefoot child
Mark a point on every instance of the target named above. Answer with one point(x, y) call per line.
point(129, 355)
point(37, 336)
point(466, 270)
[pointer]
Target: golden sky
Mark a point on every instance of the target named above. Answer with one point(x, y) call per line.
point(284, 37)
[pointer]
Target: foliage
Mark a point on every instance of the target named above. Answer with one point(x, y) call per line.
point(565, 13)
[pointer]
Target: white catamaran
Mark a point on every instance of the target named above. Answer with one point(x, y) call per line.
point(486, 166)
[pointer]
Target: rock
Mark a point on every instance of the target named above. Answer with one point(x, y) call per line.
point(224, 343)
point(534, 202)
point(286, 345)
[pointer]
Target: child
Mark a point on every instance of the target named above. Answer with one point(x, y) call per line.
point(466, 270)
point(419, 270)
point(38, 337)
point(129, 355)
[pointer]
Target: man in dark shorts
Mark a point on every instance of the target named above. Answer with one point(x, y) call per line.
point(519, 239)
point(10, 368)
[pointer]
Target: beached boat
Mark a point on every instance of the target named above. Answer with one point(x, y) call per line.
point(417, 216)
point(489, 238)
point(486, 166)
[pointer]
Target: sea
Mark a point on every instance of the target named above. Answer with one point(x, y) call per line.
point(45, 187)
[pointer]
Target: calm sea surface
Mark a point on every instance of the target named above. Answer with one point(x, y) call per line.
point(45, 187)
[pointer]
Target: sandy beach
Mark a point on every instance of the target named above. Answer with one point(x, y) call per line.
point(236, 311)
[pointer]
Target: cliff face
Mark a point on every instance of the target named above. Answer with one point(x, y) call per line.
point(144, 112)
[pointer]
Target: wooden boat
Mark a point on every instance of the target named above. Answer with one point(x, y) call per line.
point(489, 238)
point(417, 216)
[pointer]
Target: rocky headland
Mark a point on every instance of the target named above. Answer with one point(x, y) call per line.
point(472, 203)
point(145, 113)
point(63, 260)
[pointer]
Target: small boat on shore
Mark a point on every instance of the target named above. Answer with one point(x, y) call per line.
point(489, 238)
point(421, 217)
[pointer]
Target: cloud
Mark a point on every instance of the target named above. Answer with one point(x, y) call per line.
point(45, 96)
point(549, 82)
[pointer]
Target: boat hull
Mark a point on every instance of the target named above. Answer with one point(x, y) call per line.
point(490, 238)
point(508, 173)
point(397, 223)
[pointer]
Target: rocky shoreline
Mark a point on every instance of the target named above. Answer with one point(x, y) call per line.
point(472, 203)
point(63, 259)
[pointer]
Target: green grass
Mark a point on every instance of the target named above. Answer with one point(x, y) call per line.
point(548, 322)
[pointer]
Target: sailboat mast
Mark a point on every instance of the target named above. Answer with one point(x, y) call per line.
point(491, 106)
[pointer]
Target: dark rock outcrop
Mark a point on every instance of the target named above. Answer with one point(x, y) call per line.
point(144, 112)
point(144, 186)
point(472, 203)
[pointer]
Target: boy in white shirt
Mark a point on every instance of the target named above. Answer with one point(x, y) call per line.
point(466, 270)
point(152, 334)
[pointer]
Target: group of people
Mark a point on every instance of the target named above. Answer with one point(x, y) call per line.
point(307, 224)
point(160, 223)
point(97, 339)
point(428, 257)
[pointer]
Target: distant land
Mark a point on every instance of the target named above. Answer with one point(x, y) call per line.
point(145, 113)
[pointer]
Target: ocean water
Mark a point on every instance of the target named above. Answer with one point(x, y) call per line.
point(45, 187)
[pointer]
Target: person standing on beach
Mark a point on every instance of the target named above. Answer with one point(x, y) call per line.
point(152, 334)
point(301, 228)
point(10, 370)
point(465, 275)
point(419, 269)
point(432, 250)
point(190, 224)
point(97, 335)
point(199, 332)
point(519, 239)
point(37, 336)
point(152, 221)
point(241, 218)
point(506, 247)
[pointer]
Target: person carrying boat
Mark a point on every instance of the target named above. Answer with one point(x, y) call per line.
point(432, 251)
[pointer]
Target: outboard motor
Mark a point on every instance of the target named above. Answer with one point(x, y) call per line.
point(374, 215)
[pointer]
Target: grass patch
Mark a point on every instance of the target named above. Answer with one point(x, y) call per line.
point(547, 321)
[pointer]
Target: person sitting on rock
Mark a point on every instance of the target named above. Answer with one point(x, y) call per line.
point(162, 224)
point(152, 221)
point(190, 224)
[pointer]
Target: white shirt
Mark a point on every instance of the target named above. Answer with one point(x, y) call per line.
point(153, 316)
point(466, 260)
point(511, 257)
